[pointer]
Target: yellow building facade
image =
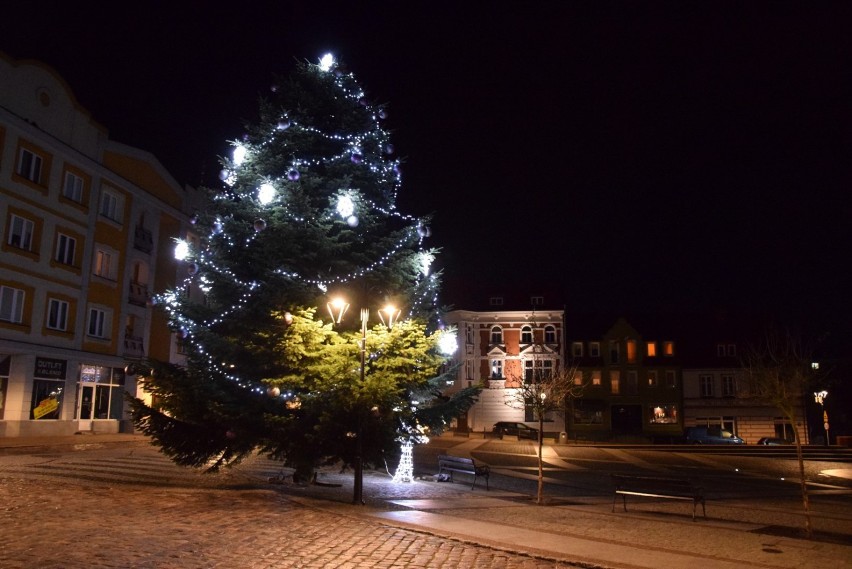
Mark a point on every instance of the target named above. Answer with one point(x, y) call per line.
point(87, 227)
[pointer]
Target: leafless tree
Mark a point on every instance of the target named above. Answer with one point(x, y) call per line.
point(546, 393)
point(779, 373)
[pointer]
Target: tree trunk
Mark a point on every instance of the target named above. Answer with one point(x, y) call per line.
point(540, 495)
point(806, 504)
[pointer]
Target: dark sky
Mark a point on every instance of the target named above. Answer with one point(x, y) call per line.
point(632, 155)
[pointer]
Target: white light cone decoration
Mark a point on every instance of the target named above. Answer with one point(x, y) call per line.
point(405, 470)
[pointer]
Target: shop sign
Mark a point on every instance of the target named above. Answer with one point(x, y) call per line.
point(49, 368)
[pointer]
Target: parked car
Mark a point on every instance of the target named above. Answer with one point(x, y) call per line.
point(520, 430)
point(710, 436)
point(774, 441)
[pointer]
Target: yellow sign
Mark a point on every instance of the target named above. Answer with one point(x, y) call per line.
point(46, 407)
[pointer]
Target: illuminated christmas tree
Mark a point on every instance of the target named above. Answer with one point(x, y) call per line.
point(306, 212)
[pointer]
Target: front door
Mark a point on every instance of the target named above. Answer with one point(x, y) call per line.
point(85, 406)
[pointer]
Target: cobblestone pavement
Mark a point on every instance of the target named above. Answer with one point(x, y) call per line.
point(135, 509)
point(129, 506)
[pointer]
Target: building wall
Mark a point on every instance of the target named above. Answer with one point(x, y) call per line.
point(477, 353)
point(72, 318)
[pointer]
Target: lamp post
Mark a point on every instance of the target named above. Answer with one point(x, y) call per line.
point(388, 315)
point(820, 397)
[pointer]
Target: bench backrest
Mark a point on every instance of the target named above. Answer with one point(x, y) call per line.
point(651, 482)
point(455, 459)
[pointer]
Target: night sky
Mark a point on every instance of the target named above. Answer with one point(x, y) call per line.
point(634, 156)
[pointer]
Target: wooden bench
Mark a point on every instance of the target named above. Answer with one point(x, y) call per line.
point(657, 487)
point(453, 464)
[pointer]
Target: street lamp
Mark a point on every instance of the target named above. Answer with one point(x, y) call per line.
point(337, 307)
point(820, 397)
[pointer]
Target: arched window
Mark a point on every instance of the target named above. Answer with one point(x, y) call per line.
point(549, 334)
point(526, 335)
point(496, 335)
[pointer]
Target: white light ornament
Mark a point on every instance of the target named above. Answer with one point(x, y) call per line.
point(346, 209)
point(266, 193)
point(239, 155)
point(448, 342)
point(327, 62)
point(405, 470)
point(181, 250)
point(426, 260)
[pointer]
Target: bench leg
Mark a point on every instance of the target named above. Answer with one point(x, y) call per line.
point(472, 486)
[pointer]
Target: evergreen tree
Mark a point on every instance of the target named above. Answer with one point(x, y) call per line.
point(307, 210)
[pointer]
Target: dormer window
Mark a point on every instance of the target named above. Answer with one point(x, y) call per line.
point(495, 301)
point(537, 300)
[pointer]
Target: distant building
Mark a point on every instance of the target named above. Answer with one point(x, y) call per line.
point(87, 226)
point(716, 388)
point(500, 346)
point(633, 381)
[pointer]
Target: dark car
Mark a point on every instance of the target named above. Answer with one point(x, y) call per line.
point(710, 436)
point(520, 430)
point(773, 441)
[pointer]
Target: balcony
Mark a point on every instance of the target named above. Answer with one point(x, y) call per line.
point(138, 294)
point(133, 346)
point(143, 240)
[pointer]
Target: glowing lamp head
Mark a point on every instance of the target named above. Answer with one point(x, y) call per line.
point(337, 308)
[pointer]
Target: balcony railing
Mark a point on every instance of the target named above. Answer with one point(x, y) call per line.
point(133, 346)
point(138, 294)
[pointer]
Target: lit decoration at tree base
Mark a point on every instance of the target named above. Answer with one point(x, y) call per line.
point(405, 470)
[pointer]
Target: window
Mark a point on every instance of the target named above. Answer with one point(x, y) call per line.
point(596, 377)
point(549, 335)
point(729, 386)
point(536, 300)
point(536, 370)
point(577, 349)
point(614, 351)
point(21, 233)
point(578, 377)
point(588, 412)
point(706, 384)
point(526, 335)
point(614, 382)
point(97, 323)
point(65, 249)
point(496, 301)
point(109, 206)
point(668, 348)
point(732, 350)
point(29, 166)
point(104, 264)
point(595, 349)
point(671, 378)
point(631, 351)
point(652, 378)
point(46, 402)
point(632, 387)
point(651, 349)
point(720, 350)
point(663, 414)
point(57, 314)
point(496, 369)
point(496, 335)
point(11, 304)
point(73, 188)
